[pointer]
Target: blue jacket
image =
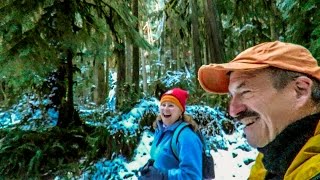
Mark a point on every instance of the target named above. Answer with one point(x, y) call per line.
point(189, 148)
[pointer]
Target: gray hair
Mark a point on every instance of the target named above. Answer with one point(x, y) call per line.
point(281, 78)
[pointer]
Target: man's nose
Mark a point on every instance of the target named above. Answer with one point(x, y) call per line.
point(236, 107)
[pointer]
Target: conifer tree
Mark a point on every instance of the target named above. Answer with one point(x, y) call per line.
point(43, 36)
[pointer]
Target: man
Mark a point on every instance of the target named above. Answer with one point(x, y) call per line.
point(274, 90)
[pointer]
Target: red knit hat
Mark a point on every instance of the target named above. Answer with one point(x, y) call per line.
point(176, 96)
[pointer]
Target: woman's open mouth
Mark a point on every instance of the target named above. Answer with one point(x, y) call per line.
point(166, 116)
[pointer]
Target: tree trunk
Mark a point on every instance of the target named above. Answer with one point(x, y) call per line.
point(128, 61)
point(174, 56)
point(70, 81)
point(275, 15)
point(161, 45)
point(213, 32)
point(135, 53)
point(121, 75)
point(99, 81)
point(144, 74)
point(107, 74)
point(68, 116)
point(3, 96)
point(195, 37)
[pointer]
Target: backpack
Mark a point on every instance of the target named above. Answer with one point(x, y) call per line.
point(207, 159)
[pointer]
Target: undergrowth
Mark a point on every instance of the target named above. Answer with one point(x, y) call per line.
point(57, 152)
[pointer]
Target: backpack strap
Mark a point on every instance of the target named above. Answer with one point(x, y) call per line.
point(207, 160)
point(174, 139)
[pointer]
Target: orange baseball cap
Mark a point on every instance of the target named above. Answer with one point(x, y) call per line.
point(214, 78)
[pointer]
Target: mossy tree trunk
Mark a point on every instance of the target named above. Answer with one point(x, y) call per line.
point(195, 37)
point(68, 116)
point(121, 91)
point(135, 53)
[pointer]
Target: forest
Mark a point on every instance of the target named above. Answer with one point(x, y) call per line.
point(72, 70)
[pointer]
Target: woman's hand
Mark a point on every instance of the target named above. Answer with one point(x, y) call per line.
point(150, 172)
point(153, 173)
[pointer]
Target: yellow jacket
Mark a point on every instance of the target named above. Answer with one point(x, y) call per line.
point(305, 165)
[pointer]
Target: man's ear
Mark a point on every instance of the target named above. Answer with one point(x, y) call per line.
point(303, 86)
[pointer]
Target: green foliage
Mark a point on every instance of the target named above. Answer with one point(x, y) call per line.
point(173, 79)
point(23, 52)
point(304, 25)
point(107, 144)
point(196, 96)
point(247, 23)
point(132, 98)
point(35, 36)
point(99, 115)
point(212, 100)
point(213, 123)
point(147, 119)
point(124, 23)
point(26, 154)
point(57, 152)
point(100, 141)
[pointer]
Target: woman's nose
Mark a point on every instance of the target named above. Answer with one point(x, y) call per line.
point(236, 107)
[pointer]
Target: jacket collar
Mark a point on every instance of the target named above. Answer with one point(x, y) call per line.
point(279, 154)
point(171, 127)
point(317, 131)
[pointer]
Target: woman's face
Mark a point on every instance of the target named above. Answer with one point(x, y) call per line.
point(169, 112)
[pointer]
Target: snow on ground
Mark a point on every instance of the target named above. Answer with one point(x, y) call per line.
point(229, 164)
point(232, 161)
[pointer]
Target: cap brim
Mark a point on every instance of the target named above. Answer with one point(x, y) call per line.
point(214, 78)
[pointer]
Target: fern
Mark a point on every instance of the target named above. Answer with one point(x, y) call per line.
point(34, 164)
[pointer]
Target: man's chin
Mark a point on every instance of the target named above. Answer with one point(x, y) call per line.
point(255, 144)
point(253, 140)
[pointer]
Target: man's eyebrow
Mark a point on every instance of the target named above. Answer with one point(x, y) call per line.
point(241, 85)
point(238, 87)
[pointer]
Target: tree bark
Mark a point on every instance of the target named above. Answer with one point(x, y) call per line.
point(107, 74)
point(70, 80)
point(273, 21)
point(121, 75)
point(174, 56)
point(68, 116)
point(144, 74)
point(195, 37)
point(213, 33)
point(161, 45)
point(135, 52)
point(99, 81)
point(128, 61)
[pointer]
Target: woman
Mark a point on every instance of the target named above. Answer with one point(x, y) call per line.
point(164, 164)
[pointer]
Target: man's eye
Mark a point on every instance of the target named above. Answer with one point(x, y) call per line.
point(245, 92)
